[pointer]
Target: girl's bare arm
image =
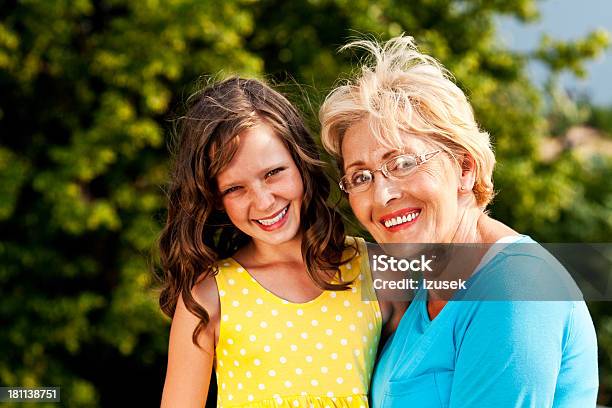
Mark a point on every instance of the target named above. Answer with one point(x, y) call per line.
point(189, 367)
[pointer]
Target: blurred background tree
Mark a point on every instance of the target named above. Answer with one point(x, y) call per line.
point(88, 91)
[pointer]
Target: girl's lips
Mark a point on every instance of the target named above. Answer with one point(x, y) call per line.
point(276, 223)
point(400, 219)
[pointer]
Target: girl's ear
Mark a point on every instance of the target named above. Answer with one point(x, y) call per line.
point(219, 205)
point(468, 173)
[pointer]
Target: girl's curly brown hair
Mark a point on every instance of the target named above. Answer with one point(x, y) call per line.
point(197, 232)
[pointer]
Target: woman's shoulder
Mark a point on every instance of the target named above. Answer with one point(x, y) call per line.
point(520, 269)
point(526, 256)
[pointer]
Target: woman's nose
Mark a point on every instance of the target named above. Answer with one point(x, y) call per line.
point(384, 190)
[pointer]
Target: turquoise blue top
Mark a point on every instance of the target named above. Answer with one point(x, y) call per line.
point(493, 353)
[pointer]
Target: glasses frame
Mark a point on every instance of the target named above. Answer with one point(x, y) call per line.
point(419, 159)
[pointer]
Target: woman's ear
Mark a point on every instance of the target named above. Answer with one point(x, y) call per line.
point(468, 173)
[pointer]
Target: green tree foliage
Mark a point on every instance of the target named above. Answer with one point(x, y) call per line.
point(600, 117)
point(87, 91)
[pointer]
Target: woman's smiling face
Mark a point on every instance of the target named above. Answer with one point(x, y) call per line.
point(261, 188)
point(420, 208)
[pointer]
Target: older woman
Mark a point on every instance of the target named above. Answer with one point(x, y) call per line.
point(417, 169)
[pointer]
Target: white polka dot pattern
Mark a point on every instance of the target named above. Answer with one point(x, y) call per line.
point(272, 352)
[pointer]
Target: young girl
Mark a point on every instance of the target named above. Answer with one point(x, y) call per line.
point(260, 281)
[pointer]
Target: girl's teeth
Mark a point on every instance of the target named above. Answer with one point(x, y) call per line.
point(400, 220)
point(275, 219)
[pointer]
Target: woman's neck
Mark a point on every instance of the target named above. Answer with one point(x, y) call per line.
point(467, 231)
point(476, 227)
point(490, 230)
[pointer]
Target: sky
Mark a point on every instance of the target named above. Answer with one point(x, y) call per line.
point(566, 20)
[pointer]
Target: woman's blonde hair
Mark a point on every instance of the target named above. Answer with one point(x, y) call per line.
point(400, 90)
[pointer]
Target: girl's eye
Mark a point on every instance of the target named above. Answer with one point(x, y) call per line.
point(231, 190)
point(274, 172)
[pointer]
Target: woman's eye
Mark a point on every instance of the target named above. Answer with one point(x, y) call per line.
point(361, 177)
point(274, 172)
point(403, 163)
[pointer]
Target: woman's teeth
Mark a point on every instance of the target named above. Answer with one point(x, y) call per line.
point(274, 220)
point(401, 220)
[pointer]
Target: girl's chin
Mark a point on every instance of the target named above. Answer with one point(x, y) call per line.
point(281, 237)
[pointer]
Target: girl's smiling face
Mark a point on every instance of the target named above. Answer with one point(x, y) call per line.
point(423, 207)
point(261, 188)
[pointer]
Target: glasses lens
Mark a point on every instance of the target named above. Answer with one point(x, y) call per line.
point(401, 165)
point(357, 181)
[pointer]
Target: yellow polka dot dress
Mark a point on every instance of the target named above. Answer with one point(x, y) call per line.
point(275, 353)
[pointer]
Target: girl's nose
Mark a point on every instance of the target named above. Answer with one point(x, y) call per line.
point(263, 198)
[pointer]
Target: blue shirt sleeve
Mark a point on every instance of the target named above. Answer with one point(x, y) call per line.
point(512, 353)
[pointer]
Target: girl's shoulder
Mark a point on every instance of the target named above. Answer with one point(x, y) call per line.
point(355, 247)
point(227, 268)
point(206, 293)
point(356, 253)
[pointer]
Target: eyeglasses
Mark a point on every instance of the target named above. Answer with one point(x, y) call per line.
point(397, 167)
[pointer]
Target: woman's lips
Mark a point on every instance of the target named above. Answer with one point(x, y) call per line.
point(401, 219)
point(275, 221)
